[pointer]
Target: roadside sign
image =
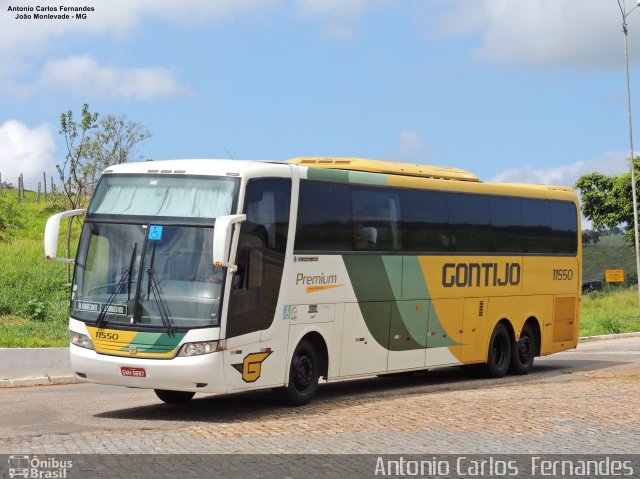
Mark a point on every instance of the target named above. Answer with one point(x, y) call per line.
point(614, 275)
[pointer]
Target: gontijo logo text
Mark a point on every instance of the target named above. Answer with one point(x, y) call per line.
point(463, 275)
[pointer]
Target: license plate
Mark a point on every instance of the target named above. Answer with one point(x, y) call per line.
point(133, 372)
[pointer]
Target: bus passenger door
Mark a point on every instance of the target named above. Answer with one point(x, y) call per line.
point(250, 360)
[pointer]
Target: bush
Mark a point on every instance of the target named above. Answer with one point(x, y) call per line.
point(36, 309)
point(610, 325)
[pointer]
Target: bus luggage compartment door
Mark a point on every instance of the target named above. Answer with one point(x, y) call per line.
point(365, 343)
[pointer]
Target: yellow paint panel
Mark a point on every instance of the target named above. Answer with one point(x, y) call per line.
point(387, 167)
point(474, 327)
point(555, 275)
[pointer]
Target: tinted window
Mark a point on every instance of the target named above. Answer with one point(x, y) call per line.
point(267, 209)
point(506, 224)
point(376, 219)
point(469, 218)
point(565, 227)
point(340, 217)
point(425, 220)
point(537, 236)
point(324, 217)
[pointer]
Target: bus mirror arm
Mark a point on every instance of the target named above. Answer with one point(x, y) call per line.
point(51, 232)
point(222, 234)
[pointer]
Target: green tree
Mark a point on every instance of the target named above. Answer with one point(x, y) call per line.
point(77, 163)
point(92, 146)
point(114, 142)
point(607, 200)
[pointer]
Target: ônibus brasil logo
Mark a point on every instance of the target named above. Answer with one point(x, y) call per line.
point(35, 467)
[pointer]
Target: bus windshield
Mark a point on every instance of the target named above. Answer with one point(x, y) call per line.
point(145, 252)
point(149, 275)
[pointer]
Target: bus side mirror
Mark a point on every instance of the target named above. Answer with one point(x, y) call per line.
point(51, 232)
point(222, 233)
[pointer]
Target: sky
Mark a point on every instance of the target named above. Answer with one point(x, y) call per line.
point(511, 90)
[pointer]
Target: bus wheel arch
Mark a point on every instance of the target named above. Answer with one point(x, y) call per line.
point(320, 345)
point(526, 348)
point(309, 362)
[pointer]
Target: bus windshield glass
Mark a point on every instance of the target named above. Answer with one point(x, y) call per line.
point(145, 253)
point(148, 275)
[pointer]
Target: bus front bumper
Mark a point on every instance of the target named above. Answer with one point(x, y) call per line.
point(198, 373)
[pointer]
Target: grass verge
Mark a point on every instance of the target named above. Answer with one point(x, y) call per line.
point(610, 311)
point(34, 295)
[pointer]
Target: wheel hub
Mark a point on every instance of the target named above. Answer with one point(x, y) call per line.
point(525, 349)
point(303, 372)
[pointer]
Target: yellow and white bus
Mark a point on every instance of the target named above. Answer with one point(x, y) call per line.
point(220, 276)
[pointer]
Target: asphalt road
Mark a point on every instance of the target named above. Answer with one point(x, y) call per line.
point(586, 400)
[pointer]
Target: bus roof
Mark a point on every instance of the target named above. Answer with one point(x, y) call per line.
point(388, 167)
point(358, 170)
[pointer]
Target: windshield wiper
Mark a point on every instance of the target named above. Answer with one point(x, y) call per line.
point(154, 286)
point(124, 279)
point(133, 257)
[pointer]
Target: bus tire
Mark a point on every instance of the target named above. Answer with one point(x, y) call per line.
point(174, 397)
point(499, 357)
point(523, 351)
point(304, 373)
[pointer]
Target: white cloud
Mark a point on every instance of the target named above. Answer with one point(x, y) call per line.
point(24, 42)
point(611, 163)
point(332, 8)
point(411, 148)
point(25, 150)
point(540, 33)
point(84, 76)
point(410, 144)
point(340, 15)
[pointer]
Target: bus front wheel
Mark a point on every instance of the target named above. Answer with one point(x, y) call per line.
point(523, 351)
point(304, 373)
point(499, 353)
point(174, 397)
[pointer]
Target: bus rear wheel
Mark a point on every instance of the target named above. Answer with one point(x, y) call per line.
point(523, 351)
point(499, 358)
point(174, 397)
point(304, 373)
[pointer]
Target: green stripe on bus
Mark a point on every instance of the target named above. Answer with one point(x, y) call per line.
point(155, 342)
point(393, 299)
point(328, 175)
point(343, 176)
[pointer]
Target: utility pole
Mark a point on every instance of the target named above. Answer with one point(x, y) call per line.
point(625, 14)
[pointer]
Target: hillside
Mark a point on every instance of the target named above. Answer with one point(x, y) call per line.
point(610, 253)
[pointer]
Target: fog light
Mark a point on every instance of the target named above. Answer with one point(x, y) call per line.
point(198, 349)
point(81, 340)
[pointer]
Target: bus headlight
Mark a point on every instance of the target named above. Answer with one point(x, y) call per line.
point(81, 340)
point(197, 349)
